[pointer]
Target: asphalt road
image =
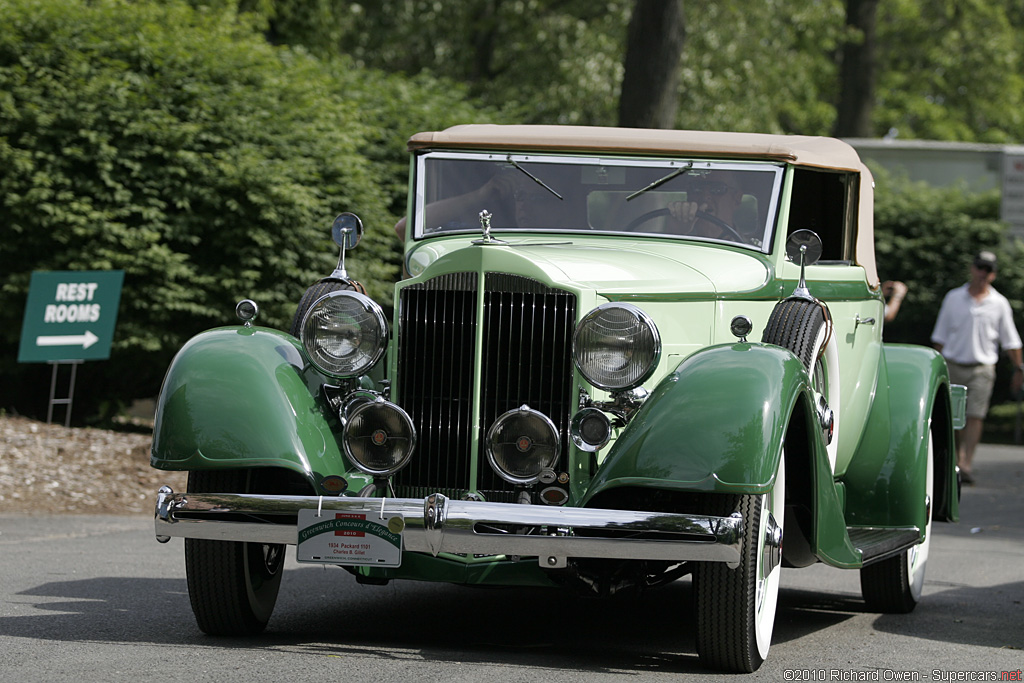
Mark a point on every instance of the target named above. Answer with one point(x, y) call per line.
point(98, 599)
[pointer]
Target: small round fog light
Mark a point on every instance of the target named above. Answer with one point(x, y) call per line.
point(379, 437)
point(590, 430)
point(521, 444)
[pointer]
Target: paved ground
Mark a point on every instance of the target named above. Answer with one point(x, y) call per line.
point(96, 598)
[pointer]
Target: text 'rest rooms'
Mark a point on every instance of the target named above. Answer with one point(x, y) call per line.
point(73, 312)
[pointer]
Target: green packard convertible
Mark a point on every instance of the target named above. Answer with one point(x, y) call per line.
point(620, 357)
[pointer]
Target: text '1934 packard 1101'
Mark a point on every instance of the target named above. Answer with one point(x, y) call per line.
point(620, 357)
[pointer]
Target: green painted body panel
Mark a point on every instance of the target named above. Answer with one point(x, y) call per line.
point(890, 463)
point(715, 424)
point(614, 266)
point(239, 397)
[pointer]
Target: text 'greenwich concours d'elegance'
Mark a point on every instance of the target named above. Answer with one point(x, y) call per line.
point(619, 357)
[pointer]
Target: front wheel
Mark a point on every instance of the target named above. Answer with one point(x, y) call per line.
point(736, 607)
point(232, 585)
point(893, 586)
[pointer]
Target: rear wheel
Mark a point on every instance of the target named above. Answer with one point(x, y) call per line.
point(736, 607)
point(893, 586)
point(232, 585)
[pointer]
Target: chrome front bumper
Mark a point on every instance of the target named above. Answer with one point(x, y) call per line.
point(437, 524)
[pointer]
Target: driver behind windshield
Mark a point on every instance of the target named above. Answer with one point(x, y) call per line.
point(715, 195)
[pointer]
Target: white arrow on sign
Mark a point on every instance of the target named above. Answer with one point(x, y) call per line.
point(84, 340)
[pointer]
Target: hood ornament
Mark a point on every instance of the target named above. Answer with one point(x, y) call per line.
point(485, 225)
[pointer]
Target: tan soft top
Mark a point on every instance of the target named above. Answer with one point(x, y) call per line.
point(796, 149)
point(801, 150)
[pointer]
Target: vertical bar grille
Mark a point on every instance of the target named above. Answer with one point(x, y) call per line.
point(437, 324)
point(526, 358)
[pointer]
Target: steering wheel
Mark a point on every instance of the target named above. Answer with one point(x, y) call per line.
point(650, 215)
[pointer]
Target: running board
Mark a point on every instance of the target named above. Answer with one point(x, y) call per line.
point(876, 544)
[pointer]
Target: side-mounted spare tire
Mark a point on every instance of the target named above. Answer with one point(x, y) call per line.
point(795, 324)
point(325, 286)
point(804, 326)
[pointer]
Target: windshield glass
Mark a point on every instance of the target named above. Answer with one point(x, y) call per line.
point(730, 201)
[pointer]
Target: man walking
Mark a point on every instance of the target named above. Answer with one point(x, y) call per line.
point(974, 322)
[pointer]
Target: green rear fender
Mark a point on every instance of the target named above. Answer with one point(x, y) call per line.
point(890, 463)
point(715, 424)
point(237, 397)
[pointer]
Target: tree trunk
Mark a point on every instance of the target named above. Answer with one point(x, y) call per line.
point(654, 46)
point(858, 71)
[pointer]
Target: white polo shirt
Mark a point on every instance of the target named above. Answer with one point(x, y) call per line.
point(972, 332)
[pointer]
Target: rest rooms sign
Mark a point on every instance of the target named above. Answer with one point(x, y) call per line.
point(70, 315)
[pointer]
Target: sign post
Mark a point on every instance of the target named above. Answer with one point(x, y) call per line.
point(69, 318)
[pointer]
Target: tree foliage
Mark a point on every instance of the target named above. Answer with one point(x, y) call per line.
point(540, 61)
point(203, 146)
point(177, 145)
point(951, 70)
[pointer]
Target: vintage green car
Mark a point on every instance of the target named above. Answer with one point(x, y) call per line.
point(620, 357)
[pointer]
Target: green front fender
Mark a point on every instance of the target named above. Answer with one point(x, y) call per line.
point(715, 424)
point(237, 397)
point(890, 463)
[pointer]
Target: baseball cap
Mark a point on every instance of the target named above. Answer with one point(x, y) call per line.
point(985, 259)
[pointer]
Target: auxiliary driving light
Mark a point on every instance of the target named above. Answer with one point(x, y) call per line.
point(379, 437)
point(521, 444)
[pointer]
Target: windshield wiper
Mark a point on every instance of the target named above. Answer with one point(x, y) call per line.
point(662, 181)
point(535, 179)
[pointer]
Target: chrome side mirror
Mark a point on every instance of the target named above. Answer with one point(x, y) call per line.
point(346, 233)
point(803, 247)
point(804, 243)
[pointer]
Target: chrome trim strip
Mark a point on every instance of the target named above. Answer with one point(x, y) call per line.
point(437, 524)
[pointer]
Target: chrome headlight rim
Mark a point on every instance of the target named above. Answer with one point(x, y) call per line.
point(370, 359)
point(492, 457)
point(352, 417)
point(643, 320)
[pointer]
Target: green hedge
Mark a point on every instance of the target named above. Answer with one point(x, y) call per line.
point(178, 145)
point(927, 237)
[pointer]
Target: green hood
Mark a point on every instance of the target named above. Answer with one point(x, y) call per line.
point(605, 265)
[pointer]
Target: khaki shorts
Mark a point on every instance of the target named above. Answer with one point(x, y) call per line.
point(979, 380)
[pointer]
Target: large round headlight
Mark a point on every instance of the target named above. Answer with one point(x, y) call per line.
point(521, 444)
point(379, 437)
point(345, 333)
point(616, 347)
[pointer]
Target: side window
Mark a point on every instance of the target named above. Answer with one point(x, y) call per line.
point(825, 202)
